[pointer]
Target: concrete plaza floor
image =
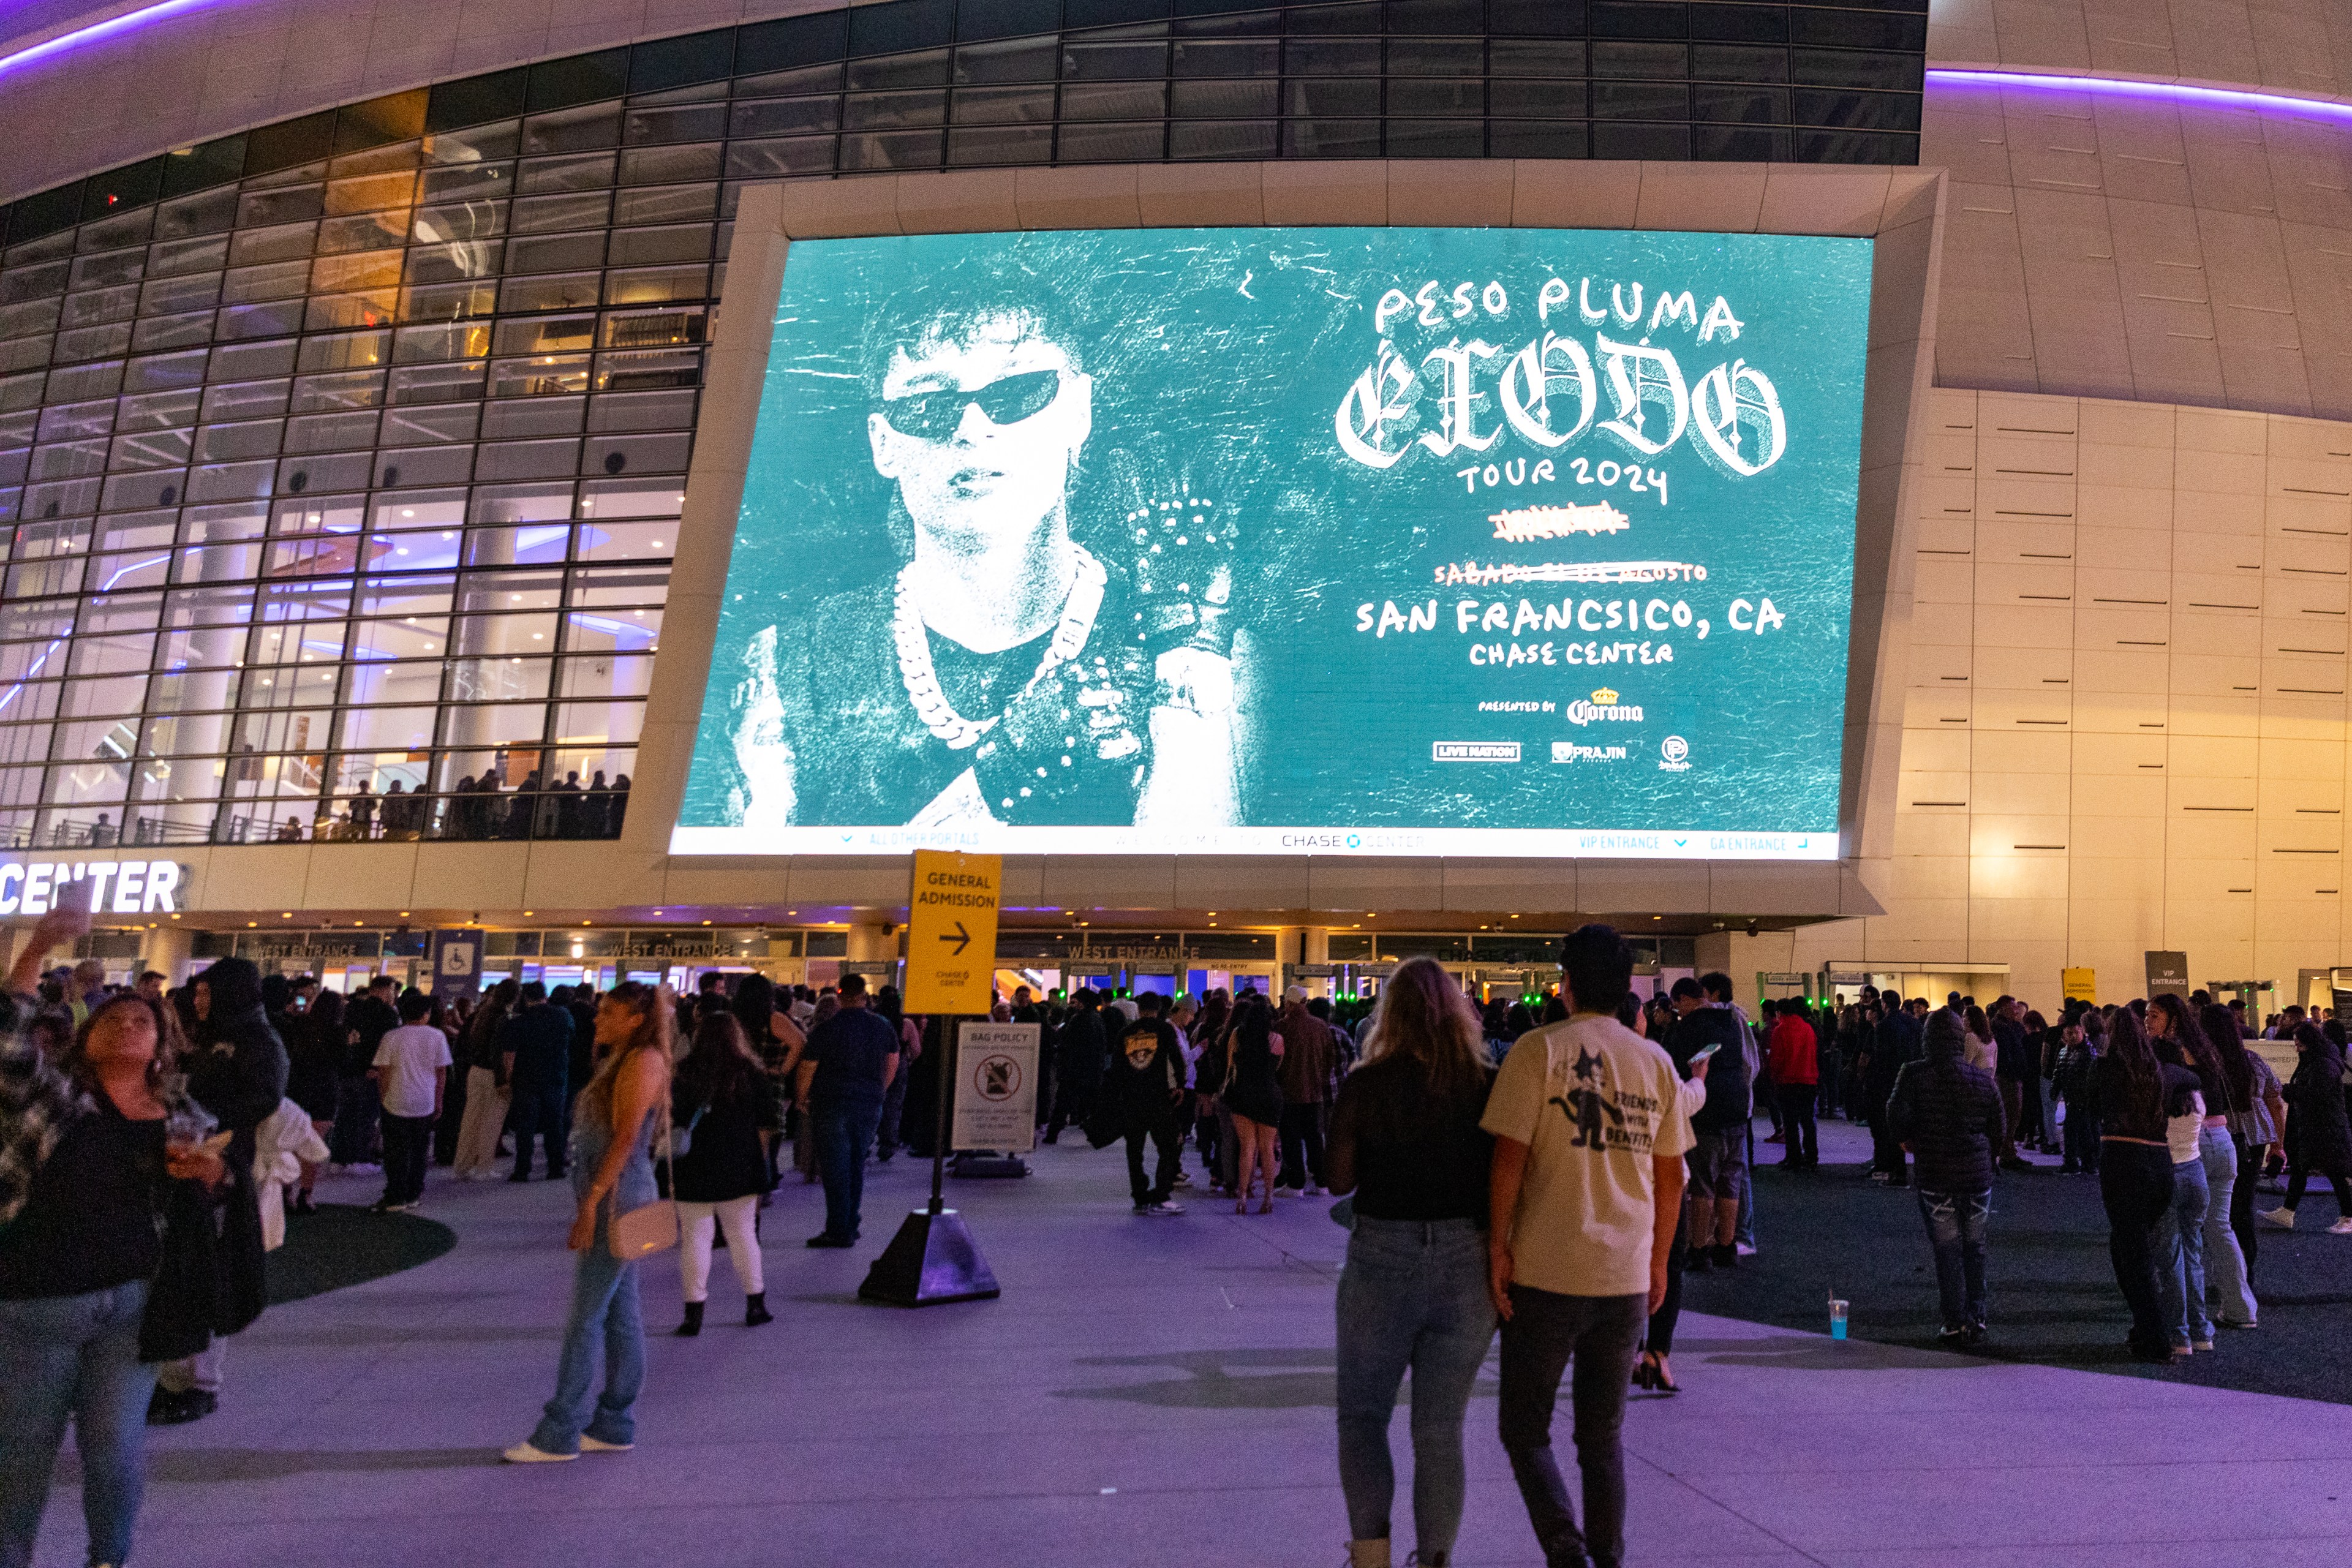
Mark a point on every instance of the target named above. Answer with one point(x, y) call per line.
point(1146, 1392)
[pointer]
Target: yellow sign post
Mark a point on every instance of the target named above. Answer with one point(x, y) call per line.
point(950, 970)
point(2080, 985)
point(951, 932)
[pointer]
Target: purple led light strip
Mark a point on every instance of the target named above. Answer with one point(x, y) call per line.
point(2177, 92)
point(128, 21)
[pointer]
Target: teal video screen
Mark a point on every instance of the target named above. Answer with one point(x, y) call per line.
point(1306, 540)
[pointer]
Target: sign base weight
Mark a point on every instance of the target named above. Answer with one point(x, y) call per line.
point(932, 1260)
point(967, 1166)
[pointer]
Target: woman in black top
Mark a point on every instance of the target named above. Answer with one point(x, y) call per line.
point(2137, 1093)
point(722, 1092)
point(2323, 1139)
point(1405, 1141)
point(314, 1045)
point(777, 1041)
point(1253, 1094)
point(86, 1172)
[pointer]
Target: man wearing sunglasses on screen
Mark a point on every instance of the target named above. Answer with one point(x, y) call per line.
point(1036, 668)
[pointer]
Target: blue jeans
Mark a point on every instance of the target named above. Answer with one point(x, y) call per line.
point(1412, 1295)
point(603, 1305)
point(2225, 1260)
point(78, 1356)
point(2180, 1255)
point(1956, 1229)
point(844, 1134)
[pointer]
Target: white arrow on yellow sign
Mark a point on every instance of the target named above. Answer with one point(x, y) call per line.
point(951, 932)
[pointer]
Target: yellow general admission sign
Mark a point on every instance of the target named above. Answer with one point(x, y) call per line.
point(951, 932)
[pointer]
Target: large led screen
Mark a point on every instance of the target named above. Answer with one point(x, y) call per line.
point(1347, 541)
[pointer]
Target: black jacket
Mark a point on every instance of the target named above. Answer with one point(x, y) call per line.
point(238, 1069)
point(1726, 1071)
point(2315, 1094)
point(211, 1279)
point(1897, 1047)
point(540, 1035)
point(1082, 1051)
point(2013, 1056)
point(371, 1018)
point(1950, 1114)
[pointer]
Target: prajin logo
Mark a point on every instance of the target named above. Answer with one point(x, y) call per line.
point(1474, 752)
point(1603, 708)
point(1675, 751)
point(1570, 751)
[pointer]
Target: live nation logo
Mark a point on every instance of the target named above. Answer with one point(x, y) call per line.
point(1674, 754)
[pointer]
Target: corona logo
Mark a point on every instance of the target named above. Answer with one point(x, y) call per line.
point(1603, 708)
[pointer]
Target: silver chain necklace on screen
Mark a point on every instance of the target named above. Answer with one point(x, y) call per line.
point(922, 679)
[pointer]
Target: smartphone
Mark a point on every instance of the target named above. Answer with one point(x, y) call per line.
point(1700, 1056)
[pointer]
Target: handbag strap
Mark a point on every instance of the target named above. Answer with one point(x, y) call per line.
point(614, 1197)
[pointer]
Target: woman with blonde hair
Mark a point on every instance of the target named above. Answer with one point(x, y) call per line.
point(1405, 1141)
point(611, 1174)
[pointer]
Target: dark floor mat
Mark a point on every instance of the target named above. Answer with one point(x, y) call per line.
point(344, 1243)
point(2054, 1295)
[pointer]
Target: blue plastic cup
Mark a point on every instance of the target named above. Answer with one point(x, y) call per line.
point(1837, 1318)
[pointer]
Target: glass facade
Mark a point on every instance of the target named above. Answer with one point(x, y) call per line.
point(341, 459)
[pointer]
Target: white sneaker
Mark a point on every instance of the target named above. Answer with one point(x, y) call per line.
point(1171, 1207)
point(1745, 1250)
point(2342, 1227)
point(2277, 1219)
point(598, 1446)
point(524, 1453)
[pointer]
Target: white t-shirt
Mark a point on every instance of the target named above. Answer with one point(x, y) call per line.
point(408, 1055)
point(1594, 1103)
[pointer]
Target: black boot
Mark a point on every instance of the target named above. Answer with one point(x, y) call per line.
point(755, 1310)
point(693, 1324)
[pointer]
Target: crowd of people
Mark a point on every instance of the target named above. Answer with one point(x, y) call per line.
point(1549, 1169)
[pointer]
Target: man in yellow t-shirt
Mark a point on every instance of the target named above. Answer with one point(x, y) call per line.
point(1587, 1182)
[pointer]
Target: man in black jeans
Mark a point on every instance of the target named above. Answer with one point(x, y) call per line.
point(536, 1042)
point(1146, 1074)
point(1080, 1053)
point(1585, 1189)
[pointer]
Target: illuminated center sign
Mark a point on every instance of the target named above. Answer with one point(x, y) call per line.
point(1348, 540)
point(108, 887)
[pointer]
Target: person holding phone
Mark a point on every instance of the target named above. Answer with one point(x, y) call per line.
point(92, 1145)
point(1718, 1160)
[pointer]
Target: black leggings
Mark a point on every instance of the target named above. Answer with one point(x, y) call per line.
point(2298, 1177)
point(1659, 1339)
point(2135, 1186)
point(2242, 1203)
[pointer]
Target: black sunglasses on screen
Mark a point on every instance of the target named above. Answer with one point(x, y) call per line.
point(934, 416)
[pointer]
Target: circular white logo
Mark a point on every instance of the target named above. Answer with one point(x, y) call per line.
point(1675, 748)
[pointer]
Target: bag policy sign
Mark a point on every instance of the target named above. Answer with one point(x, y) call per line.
point(996, 1088)
point(1090, 542)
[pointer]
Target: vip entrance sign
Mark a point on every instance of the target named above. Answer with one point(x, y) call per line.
point(104, 887)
